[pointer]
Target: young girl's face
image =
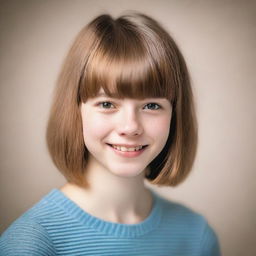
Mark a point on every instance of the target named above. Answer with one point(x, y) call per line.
point(124, 135)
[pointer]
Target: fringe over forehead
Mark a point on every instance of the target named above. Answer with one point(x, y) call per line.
point(128, 58)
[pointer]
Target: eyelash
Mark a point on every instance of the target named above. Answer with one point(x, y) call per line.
point(103, 102)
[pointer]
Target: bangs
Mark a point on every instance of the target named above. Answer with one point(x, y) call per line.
point(125, 65)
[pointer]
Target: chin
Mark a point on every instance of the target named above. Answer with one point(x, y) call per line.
point(130, 173)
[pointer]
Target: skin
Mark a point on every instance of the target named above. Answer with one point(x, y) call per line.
point(118, 180)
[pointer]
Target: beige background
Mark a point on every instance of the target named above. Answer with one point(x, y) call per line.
point(218, 40)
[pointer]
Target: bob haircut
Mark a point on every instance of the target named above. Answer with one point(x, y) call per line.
point(129, 57)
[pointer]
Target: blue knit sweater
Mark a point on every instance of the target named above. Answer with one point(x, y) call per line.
point(57, 226)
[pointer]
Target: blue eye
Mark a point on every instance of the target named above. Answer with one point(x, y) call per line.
point(153, 106)
point(109, 105)
point(106, 104)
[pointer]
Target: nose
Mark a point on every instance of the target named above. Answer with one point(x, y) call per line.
point(129, 123)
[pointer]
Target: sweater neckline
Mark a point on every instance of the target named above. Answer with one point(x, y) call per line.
point(107, 227)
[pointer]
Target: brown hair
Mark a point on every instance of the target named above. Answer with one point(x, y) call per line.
point(131, 56)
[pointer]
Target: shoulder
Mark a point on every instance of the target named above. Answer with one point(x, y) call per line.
point(189, 223)
point(27, 235)
point(180, 213)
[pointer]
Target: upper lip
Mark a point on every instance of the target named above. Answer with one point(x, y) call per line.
point(126, 145)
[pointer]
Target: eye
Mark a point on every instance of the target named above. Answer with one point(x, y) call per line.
point(105, 105)
point(152, 106)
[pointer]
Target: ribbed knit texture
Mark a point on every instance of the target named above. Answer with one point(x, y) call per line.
point(57, 226)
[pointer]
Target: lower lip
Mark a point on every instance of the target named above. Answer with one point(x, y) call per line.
point(128, 153)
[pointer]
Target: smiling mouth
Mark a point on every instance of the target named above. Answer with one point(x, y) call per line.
point(127, 149)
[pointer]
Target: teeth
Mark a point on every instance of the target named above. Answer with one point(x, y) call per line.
point(125, 149)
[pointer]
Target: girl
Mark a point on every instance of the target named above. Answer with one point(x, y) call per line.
point(123, 112)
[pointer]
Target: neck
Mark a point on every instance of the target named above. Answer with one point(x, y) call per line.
point(112, 198)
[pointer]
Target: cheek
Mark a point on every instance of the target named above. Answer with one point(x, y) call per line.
point(161, 127)
point(95, 127)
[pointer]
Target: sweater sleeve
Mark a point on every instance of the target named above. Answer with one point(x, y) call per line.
point(209, 242)
point(26, 237)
